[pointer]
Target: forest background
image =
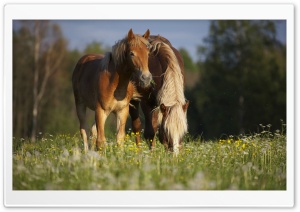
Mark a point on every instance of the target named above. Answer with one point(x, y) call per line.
point(236, 84)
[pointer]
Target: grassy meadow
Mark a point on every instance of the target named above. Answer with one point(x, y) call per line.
point(253, 162)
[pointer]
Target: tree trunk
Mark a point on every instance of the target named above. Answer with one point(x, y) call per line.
point(35, 80)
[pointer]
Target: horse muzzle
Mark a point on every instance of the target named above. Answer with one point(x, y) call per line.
point(145, 79)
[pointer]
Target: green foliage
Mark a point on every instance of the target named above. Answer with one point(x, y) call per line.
point(94, 48)
point(189, 64)
point(243, 80)
point(191, 70)
point(22, 93)
point(57, 113)
point(256, 162)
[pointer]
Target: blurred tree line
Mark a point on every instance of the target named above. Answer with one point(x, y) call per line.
point(238, 82)
point(242, 80)
point(42, 70)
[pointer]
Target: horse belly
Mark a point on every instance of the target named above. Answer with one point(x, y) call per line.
point(113, 105)
point(119, 105)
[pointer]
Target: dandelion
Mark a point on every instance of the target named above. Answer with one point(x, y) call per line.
point(244, 146)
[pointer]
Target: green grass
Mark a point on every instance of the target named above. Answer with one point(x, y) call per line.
point(256, 162)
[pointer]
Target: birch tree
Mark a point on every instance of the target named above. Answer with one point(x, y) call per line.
point(49, 52)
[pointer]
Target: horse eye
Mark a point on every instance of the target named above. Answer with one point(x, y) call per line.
point(131, 54)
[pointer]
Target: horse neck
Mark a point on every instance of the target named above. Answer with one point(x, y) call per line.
point(164, 62)
point(120, 79)
point(172, 90)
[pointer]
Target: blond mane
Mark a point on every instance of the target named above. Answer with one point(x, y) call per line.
point(171, 94)
point(172, 90)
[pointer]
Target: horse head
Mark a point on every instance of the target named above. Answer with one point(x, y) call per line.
point(172, 125)
point(137, 55)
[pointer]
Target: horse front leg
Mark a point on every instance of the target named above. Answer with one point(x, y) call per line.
point(100, 119)
point(122, 116)
point(136, 122)
point(150, 130)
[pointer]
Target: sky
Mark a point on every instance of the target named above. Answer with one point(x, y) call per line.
point(188, 34)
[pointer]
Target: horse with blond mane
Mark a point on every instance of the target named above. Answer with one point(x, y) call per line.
point(163, 104)
point(103, 84)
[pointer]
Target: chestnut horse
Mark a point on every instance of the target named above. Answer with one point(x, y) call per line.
point(102, 83)
point(163, 104)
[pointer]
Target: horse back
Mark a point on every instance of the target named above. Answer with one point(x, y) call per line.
point(90, 57)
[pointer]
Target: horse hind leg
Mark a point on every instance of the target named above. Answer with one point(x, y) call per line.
point(81, 113)
point(150, 129)
point(93, 135)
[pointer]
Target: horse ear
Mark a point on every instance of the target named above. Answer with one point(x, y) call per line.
point(147, 34)
point(130, 35)
point(185, 106)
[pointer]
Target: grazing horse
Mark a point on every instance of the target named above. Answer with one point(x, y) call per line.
point(163, 104)
point(102, 83)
